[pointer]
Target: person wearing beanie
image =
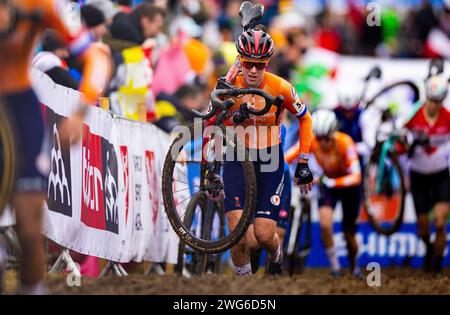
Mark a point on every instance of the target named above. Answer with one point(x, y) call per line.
point(95, 21)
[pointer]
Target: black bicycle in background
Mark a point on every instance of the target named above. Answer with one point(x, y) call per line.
point(299, 234)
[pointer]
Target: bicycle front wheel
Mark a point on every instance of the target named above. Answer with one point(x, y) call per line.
point(195, 218)
point(176, 179)
point(214, 229)
point(384, 193)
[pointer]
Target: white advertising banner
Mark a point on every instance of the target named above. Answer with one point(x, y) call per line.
point(104, 193)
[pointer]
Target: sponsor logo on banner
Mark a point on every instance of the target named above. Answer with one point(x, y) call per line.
point(138, 223)
point(99, 207)
point(137, 192)
point(111, 186)
point(137, 162)
point(126, 179)
point(59, 190)
point(152, 182)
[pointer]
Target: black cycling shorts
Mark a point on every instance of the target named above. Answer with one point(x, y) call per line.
point(429, 189)
point(350, 198)
point(25, 115)
point(269, 184)
point(285, 206)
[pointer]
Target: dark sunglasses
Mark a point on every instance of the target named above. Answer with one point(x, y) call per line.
point(258, 65)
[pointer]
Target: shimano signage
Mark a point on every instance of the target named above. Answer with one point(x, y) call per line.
point(402, 248)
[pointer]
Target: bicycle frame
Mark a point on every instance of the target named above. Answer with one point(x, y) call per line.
point(385, 148)
point(393, 137)
point(220, 110)
point(300, 217)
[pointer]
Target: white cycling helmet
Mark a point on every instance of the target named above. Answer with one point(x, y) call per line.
point(349, 96)
point(324, 122)
point(436, 88)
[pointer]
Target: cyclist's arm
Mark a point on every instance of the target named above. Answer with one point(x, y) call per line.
point(302, 146)
point(292, 153)
point(95, 56)
point(353, 167)
point(412, 139)
point(96, 71)
point(402, 147)
point(295, 105)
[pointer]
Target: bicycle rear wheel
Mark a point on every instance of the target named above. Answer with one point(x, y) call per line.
point(384, 193)
point(7, 158)
point(174, 175)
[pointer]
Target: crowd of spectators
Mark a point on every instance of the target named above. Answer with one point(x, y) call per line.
point(183, 46)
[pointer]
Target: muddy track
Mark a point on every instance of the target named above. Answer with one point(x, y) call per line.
point(312, 281)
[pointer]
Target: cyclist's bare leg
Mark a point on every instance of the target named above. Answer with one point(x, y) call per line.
point(252, 242)
point(281, 233)
point(240, 254)
point(423, 224)
point(326, 229)
point(264, 230)
point(326, 226)
point(441, 211)
point(28, 208)
point(352, 248)
point(250, 238)
point(423, 231)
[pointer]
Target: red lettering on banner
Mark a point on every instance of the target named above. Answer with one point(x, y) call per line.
point(124, 155)
point(92, 190)
point(152, 181)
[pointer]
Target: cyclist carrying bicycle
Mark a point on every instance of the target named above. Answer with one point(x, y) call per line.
point(255, 47)
point(429, 173)
point(336, 154)
point(21, 23)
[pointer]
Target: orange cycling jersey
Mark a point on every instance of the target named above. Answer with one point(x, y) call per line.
point(340, 164)
point(266, 131)
point(17, 48)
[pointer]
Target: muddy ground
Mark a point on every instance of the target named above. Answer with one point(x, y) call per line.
point(311, 281)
